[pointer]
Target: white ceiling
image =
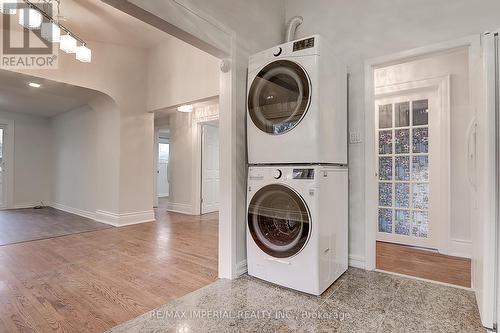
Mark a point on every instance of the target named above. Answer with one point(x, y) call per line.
point(93, 20)
point(49, 100)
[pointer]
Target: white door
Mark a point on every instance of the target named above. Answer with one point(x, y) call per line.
point(484, 180)
point(408, 148)
point(210, 169)
point(162, 177)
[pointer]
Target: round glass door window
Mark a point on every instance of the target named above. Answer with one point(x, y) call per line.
point(278, 220)
point(279, 97)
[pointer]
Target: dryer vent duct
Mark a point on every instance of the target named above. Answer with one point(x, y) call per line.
point(291, 27)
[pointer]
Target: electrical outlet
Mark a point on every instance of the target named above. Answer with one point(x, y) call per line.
point(354, 137)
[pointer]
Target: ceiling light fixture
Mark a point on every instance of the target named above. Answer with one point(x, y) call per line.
point(34, 85)
point(83, 53)
point(67, 43)
point(30, 18)
point(35, 17)
point(51, 32)
point(185, 108)
point(8, 7)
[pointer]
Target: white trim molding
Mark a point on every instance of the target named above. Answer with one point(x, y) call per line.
point(181, 208)
point(241, 268)
point(25, 205)
point(72, 210)
point(356, 261)
point(121, 220)
point(461, 248)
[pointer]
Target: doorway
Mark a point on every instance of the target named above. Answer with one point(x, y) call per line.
point(421, 205)
point(210, 179)
point(162, 173)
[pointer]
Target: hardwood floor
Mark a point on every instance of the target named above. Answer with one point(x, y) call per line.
point(22, 225)
point(92, 281)
point(424, 264)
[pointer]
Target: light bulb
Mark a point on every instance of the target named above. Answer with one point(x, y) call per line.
point(84, 54)
point(51, 32)
point(67, 43)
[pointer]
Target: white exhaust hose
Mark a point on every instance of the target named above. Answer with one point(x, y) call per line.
point(292, 26)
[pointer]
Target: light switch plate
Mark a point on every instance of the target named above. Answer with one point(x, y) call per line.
point(354, 137)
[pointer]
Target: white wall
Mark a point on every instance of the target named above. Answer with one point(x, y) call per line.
point(74, 168)
point(179, 73)
point(32, 159)
point(124, 129)
point(359, 30)
point(185, 157)
point(456, 65)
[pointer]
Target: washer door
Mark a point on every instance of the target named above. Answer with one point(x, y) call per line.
point(279, 97)
point(279, 221)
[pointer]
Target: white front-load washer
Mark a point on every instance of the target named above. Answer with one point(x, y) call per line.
point(297, 105)
point(297, 226)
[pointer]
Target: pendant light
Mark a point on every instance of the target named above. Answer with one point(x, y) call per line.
point(67, 43)
point(83, 53)
point(30, 18)
point(51, 32)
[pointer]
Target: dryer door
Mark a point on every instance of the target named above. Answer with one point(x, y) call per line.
point(279, 97)
point(279, 221)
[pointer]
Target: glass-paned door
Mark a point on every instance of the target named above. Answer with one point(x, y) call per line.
point(404, 159)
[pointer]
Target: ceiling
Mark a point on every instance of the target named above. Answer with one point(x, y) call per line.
point(93, 20)
point(50, 99)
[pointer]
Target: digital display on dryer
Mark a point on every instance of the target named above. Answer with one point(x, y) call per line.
point(303, 174)
point(303, 44)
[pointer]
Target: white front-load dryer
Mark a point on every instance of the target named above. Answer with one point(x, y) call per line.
point(297, 105)
point(297, 225)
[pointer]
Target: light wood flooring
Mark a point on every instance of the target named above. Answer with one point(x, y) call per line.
point(423, 264)
point(90, 282)
point(22, 225)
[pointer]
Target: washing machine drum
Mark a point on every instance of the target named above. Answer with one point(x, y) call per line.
point(279, 221)
point(279, 97)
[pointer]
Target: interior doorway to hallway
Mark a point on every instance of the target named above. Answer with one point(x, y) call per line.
point(187, 158)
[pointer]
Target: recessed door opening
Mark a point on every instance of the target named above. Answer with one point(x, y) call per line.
point(422, 108)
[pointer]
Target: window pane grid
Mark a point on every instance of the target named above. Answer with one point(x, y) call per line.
point(403, 168)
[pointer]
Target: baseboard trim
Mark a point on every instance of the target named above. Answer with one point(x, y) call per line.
point(121, 220)
point(241, 268)
point(357, 261)
point(461, 248)
point(72, 210)
point(180, 208)
point(25, 205)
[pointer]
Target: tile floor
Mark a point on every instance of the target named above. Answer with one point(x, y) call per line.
point(359, 301)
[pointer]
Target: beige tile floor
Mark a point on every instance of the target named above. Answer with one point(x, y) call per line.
point(359, 301)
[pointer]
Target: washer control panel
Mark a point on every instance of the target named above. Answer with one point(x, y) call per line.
point(282, 173)
point(306, 173)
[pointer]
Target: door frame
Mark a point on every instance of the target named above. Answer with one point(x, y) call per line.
point(8, 186)
point(473, 44)
point(441, 86)
point(197, 28)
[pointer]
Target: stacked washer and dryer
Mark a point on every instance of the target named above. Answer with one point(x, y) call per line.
point(297, 200)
